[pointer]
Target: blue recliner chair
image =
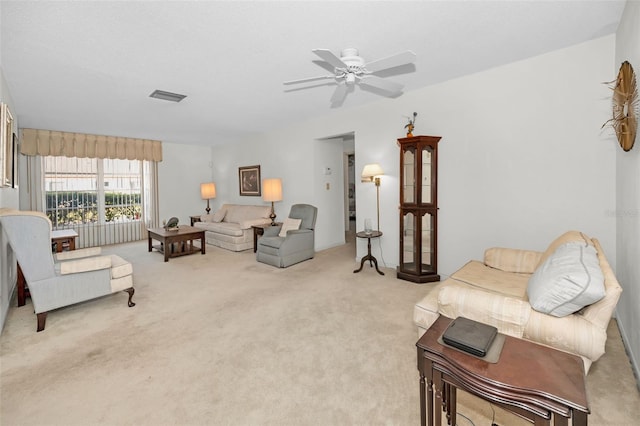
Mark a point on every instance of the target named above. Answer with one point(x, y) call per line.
point(296, 246)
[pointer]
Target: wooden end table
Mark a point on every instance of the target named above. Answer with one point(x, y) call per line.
point(372, 260)
point(530, 380)
point(63, 238)
point(177, 243)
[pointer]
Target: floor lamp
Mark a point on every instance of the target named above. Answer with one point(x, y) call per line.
point(208, 191)
point(272, 191)
point(372, 173)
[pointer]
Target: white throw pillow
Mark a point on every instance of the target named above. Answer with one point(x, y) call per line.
point(219, 215)
point(289, 225)
point(567, 281)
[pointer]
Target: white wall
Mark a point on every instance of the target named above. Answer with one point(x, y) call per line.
point(627, 212)
point(8, 196)
point(522, 157)
point(182, 170)
point(8, 199)
point(329, 191)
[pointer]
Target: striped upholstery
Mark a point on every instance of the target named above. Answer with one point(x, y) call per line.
point(494, 292)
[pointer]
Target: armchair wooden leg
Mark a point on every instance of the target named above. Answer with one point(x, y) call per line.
point(42, 318)
point(130, 291)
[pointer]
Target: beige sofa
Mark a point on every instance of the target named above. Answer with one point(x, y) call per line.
point(495, 292)
point(230, 226)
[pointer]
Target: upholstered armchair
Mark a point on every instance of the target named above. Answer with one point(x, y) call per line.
point(69, 277)
point(291, 242)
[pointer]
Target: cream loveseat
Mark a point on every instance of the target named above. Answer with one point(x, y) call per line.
point(498, 292)
point(230, 226)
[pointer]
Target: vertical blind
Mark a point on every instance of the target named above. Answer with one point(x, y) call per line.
point(102, 200)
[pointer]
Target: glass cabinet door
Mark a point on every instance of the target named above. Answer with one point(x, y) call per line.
point(407, 240)
point(408, 175)
point(425, 187)
point(427, 252)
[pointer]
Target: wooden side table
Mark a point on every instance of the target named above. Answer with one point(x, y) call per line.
point(195, 219)
point(530, 380)
point(63, 238)
point(372, 260)
point(258, 230)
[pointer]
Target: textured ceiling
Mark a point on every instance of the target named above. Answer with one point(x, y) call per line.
point(89, 66)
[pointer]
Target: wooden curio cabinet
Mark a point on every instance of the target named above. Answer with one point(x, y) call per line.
point(419, 209)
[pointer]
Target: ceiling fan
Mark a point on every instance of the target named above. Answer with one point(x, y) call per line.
point(350, 69)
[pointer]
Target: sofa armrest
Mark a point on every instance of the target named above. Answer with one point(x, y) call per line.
point(573, 333)
point(80, 253)
point(509, 314)
point(512, 260)
point(84, 265)
point(271, 231)
point(246, 224)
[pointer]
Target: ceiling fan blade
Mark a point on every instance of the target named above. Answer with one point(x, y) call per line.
point(398, 59)
point(382, 84)
point(310, 86)
point(339, 94)
point(304, 80)
point(329, 57)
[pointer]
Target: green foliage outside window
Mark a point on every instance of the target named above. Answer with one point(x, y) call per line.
point(81, 207)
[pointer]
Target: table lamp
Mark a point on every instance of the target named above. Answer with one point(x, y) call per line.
point(207, 192)
point(272, 191)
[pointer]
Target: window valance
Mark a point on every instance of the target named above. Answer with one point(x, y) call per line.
point(66, 144)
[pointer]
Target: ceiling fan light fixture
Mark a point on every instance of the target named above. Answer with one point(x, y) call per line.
point(350, 78)
point(167, 96)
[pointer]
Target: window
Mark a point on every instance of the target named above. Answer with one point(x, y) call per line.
point(102, 199)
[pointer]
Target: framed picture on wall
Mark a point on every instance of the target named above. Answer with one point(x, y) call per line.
point(6, 146)
point(249, 180)
point(14, 166)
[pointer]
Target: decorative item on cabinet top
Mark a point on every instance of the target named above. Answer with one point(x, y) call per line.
point(625, 106)
point(411, 125)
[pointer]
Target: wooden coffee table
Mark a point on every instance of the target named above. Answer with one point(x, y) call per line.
point(530, 380)
point(177, 243)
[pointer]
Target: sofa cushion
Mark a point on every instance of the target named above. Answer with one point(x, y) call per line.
point(218, 216)
point(512, 260)
point(567, 281)
point(237, 213)
point(289, 225)
point(481, 276)
point(223, 228)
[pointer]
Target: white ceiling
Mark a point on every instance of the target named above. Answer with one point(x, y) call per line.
point(89, 66)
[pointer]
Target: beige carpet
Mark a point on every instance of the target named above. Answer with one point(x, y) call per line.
point(221, 339)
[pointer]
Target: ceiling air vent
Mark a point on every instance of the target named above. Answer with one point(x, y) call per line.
point(167, 96)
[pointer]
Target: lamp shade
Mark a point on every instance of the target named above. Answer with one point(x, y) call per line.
point(272, 189)
point(208, 190)
point(370, 171)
